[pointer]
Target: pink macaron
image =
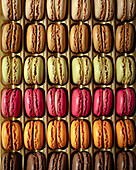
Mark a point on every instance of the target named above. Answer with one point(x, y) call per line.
point(103, 101)
point(125, 102)
point(11, 103)
point(57, 102)
point(80, 102)
point(34, 102)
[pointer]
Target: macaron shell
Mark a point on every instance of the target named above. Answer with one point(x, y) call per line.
point(131, 9)
point(53, 161)
point(7, 10)
point(97, 62)
point(74, 38)
point(77, 161)
point(101, 4)
point(61, 39)
point(121, 10)
point(109, 11)
point(86, 10)
point(99, 161)
point(39, 9)
point(75, 134)
point(17, 12)
point(87, 160)
point(38, 135)
point(122, 161)
point(120, 38)
point(97, 133)
point(5, 160)
point(86, 102)
point(60, 9)
point(29, 9)
point(28, 70)
point(108, 160)
point(6, 70)
point(120, 69)
point(51, 102)
point(76, 8)
point(28, 136)
point(62, 162)
point(84, 134)
point(130, 101)
point(132, 159)
point(40, 41)
point(6, 135)
point(51, 10)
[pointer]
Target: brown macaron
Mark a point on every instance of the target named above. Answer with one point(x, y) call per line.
point(79, 38)
point(35, 38)
point(56, 38)
point(125, 38)
point(11, 37)
point(102, 38)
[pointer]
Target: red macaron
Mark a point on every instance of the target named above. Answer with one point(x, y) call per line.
point(125, 102)
point(57, 102)
point(34, 102)
point(103, 101)
point(80, 102)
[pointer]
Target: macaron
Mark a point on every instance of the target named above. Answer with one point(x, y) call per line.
point(56, 10)
point(79, 38)
point(103, 102)
point(80, 10)
point(80, 102)
point(102, 134)
point(125, 38)
point(57, 70)
point(11, 135)
point(80, 134)
point(126, 160)
point(125, 70)
point(126, 9)
point(125, 102)
point(102, 69)
point(104, 10)
point(81, 70)
point(11, 70)
point(11, 103)
point(57, 102)
point(11, 9)
point(35, 161)
point(103, 160)
point(34, 102)
point(34, 70)
point(102, 38)
point(11, 37)
point(56, 38)
point(34, 135)
point(57, 134)
point(35, 38)
point(58, 160)
point(11, 161)
point(125, 133)
point(34, 9)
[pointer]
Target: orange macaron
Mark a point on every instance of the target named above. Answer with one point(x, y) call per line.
point(34, 135)
point(11, 135)
point(57, 134)
point(102, 134)
point(80, 134)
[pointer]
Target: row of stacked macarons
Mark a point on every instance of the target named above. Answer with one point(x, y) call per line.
point(80, 10)
point(57, 69)
point(57, 38)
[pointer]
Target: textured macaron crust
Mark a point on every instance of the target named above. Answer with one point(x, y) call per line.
point(81, 70)
point(103, 70)
point(34, 70)
point(56, 38)
point(80, 10)
point(126, 9)
point(11, 9)
point(57, 70)
point(80, 134)
point(57, 102)
point(11, 70)
point(11, 37)
point(81, 160)
point(125, 70)
point(125, 133)
point(102, 134)
point(80, 102)
point(103, 160)
point(34, 9)
point(104, 10)
point(11, 135)
point(11, 161)
point(58, 160)
point(56, 9)
point(125, 102)
point(35, 160)
point(34, 102)
point(79, 38)
point(57, 134)
point(11, 103)
point(125, 38)
point(35, 38)
point(103, 101)
point(34, 135)
point(102, 38)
